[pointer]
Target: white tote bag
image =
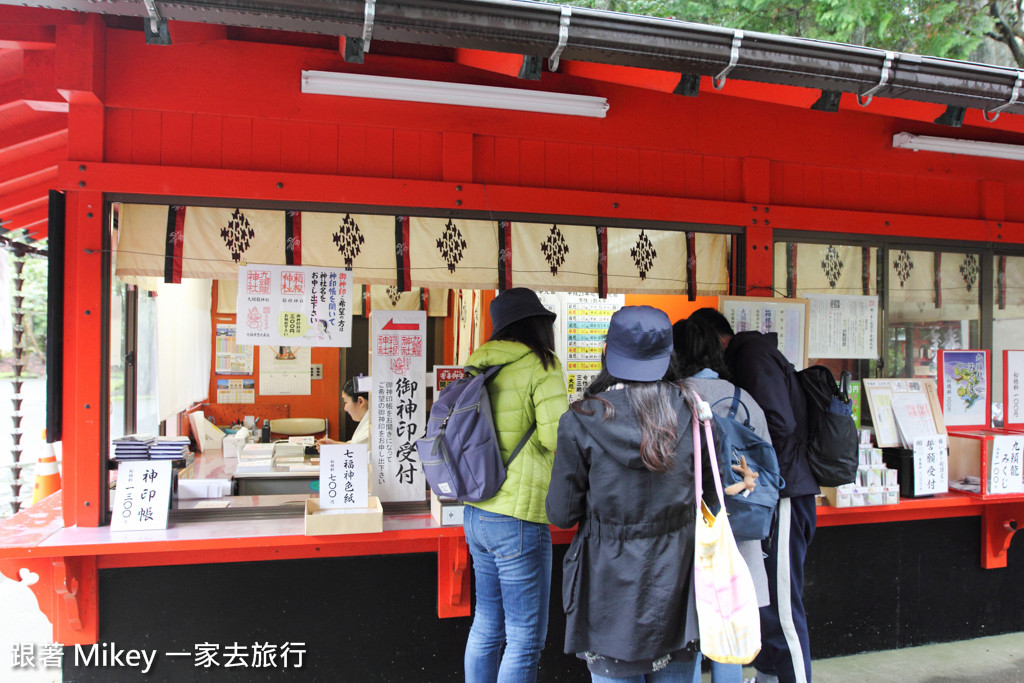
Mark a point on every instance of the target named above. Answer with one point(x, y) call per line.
point(727, 615)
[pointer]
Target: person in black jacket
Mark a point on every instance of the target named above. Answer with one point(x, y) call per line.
point(758, 366)
point(624, 471)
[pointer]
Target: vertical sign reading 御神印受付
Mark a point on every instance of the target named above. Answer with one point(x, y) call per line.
point(294, 306)
point(398, 369)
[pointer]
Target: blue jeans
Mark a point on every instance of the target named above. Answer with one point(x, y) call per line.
point(720, 673)
point(512, 570)
point(677, 671)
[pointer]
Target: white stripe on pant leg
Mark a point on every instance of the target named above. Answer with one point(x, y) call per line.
point(784, 589)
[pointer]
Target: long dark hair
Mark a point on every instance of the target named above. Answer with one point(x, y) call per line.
point(537, 332)
point(651, 402)
point(697, 347)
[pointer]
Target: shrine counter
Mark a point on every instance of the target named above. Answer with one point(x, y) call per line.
point(64, 562)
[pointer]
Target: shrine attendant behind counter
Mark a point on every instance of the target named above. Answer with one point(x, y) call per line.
point(357, 404)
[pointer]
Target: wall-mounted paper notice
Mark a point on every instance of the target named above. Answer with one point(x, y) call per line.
point(142, 496)
point(931, 471)
point(843, 326)
point(344, 476)
point(294, 305)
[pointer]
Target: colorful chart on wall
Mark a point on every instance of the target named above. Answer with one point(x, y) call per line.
point(787, 318)
point(964, 388)
point(231, 358)
point(1013, 389)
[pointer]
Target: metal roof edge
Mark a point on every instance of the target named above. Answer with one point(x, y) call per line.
point(532, 28)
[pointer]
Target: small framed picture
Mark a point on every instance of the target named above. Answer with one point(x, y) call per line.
point(965, 388)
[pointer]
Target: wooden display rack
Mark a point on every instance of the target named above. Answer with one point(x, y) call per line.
point(971, 453)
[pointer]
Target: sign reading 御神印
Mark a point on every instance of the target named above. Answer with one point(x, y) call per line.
point(398, 368)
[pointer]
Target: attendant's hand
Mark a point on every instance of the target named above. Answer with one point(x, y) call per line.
point(326, 440)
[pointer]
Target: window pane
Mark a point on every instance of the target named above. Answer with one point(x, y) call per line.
point(118, 340)
point(934, 303)
point(1007, 315)
point(801, 269)
point(146, 402)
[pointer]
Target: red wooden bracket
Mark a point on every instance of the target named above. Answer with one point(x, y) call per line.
point(998, 524)
point(452, 577)
point(66, 590)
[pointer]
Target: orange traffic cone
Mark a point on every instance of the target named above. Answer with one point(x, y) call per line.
point(47, 476)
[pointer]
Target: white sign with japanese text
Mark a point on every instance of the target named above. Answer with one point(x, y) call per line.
point(931, 471)
point(398, 369)
point(1013, 389)
point(344, 477)
point(843, 326)
point(294, 306)
point(1004, 465)
point(142, 497)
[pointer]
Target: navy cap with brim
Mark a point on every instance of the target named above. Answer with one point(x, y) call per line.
point(639, 344)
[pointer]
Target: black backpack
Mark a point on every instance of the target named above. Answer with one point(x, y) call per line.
point(831, 431)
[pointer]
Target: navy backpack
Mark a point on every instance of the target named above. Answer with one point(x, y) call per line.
point(751, 512)
point(460, 454)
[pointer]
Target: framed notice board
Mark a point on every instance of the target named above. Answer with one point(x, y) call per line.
point(785, 317)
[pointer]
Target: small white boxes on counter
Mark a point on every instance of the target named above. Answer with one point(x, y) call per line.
point(875, 485)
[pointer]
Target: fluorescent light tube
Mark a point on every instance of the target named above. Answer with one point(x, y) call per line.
point(928, 143)
point(438, 92)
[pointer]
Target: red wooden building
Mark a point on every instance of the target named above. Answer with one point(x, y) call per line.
point(772, 142)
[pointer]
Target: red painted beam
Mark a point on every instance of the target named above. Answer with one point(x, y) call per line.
point(384, 192)
point(35, 230)
point(33, 179)
point(26, 216)
point(24, 199)
point(26, 36)
point(10, 14)
point(83, 487)
point(46, 133)
point(28, 165)
point(495, 62)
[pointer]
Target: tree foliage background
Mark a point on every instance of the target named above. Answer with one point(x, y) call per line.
point(955, 29)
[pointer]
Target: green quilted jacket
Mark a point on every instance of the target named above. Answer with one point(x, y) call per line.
point(522, 392)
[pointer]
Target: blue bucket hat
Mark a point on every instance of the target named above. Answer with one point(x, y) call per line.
point(639, 344)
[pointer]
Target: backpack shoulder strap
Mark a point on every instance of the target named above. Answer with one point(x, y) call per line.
point(522, 443)
point(490, 372)
point(736, 402)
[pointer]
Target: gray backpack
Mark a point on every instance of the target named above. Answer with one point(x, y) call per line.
point(460, 454)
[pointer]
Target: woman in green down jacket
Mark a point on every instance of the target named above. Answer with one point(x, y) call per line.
point(508, 535)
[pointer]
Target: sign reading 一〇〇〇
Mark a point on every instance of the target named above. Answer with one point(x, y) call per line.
point(398, 370)
point(294, 306)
